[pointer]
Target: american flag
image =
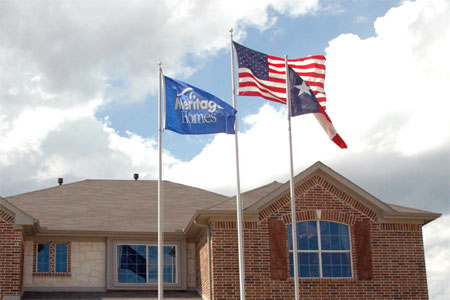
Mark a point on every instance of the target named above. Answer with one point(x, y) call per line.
point(265, 75)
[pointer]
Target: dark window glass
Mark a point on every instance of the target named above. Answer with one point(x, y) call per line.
point(43, 258)
point(169, 264)
point(307, 236)
point(334, 249)
point(131, 263)
point(61, 258)
point(334, 236)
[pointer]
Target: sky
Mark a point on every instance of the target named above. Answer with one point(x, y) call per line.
point(78, 97)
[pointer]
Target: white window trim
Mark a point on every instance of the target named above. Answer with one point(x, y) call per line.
point(177, 265)
point(320, 251)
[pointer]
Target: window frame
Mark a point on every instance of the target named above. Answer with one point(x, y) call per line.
point(38, 260)
point(320, 251)
point(51, 259)
point(146, 244)
point(55, 258)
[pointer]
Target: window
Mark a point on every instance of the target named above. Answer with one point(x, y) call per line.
point(60, 258)
point(43, 258)
point(323, 250)
point(52, 258)
point(139, 264)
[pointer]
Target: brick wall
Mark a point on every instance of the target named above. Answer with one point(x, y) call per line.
point(202, 265)
point(11, 257)
point(396, 250)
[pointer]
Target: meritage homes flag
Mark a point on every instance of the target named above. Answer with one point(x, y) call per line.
point(265, 76)
point(190, 110)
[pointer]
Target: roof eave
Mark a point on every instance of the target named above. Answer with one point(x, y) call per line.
point(20, 217)
point(68, 233)
point(412, 218)
point(203, 217)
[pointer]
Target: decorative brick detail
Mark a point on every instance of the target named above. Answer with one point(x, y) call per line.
point(233, 225)
point(11, 257)
point(346, 198)
point(274, 207)
point(400, 227)
point(300, 189)
point(326, 215)
point(303, 215)
point(52, 272)
point(317, 182)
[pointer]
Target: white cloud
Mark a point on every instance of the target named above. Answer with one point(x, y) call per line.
point(61, 61)
point(387, 95)
point(436, 237)
point(392, 87)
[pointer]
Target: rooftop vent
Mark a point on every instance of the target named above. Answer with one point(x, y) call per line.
point(136, 176)
point(60, 181)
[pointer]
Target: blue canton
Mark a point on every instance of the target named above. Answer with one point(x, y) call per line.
point(303, 100)
point(253, 60)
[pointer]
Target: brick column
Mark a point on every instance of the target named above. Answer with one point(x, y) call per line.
point(11, 258)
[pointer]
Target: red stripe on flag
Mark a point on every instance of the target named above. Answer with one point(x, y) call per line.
point(258, 94)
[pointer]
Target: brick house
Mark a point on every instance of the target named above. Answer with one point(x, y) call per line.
point(100, 235)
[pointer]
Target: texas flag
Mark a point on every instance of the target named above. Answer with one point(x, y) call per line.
point(303, 101)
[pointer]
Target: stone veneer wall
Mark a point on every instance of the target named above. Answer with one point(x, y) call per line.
point(191, 266)
point(88, 267)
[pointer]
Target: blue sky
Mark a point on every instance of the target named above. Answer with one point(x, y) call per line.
point(78, 97)
point(292, 36)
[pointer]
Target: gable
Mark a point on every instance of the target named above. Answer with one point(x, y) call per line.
point(5, 217)
point(318, 193)
point(331, 183)
point(11, 214)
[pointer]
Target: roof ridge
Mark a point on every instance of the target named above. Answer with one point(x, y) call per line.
point(45, 189)
point(246, 192)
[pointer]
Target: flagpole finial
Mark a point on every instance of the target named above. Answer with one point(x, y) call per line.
point(231, 30)
point(159, 63)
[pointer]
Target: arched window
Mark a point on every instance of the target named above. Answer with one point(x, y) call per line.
point(323, 250)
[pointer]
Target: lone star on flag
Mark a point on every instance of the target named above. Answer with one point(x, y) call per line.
point(303, 88)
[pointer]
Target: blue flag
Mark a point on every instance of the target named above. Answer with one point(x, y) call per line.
point(190, 110)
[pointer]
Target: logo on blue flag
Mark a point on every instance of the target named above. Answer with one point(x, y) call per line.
point(190, 110)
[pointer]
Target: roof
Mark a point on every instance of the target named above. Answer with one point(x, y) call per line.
point(114, 205)
point(20, 217)
point(248, 198)
point(130, 206)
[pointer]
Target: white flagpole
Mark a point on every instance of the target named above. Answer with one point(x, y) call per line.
point(160, 221)
point(238, 184)
point(292, 184)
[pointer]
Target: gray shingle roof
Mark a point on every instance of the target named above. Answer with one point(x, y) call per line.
point(248, 198)
point(114, 205)
point(128, 206)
